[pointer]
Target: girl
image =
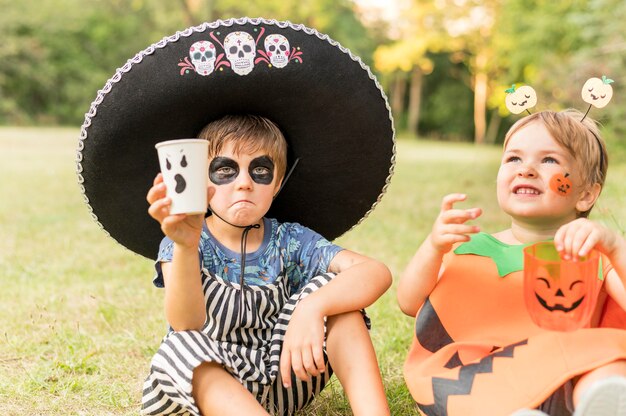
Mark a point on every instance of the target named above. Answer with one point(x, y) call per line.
point(475, 350)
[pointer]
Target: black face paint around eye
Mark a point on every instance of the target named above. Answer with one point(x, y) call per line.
point(261, 170)
point(223, 170)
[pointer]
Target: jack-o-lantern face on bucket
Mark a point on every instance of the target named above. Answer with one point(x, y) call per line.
point(559, 294)
point(561, 184)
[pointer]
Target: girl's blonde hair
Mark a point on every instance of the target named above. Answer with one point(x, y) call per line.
point(580, 138)
point(248, 134)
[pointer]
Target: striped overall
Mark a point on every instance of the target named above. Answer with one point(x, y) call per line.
point(247, 346)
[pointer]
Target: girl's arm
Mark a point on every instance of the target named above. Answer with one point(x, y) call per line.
point(419, 278)
point(422, 272)
point(615, 288)
point(616, 279)
point(577, 238)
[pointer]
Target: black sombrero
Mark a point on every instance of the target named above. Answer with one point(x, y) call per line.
point(328, 104)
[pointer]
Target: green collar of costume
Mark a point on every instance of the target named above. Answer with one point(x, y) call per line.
point(508, 258)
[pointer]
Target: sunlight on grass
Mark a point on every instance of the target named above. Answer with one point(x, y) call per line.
point(81, 318)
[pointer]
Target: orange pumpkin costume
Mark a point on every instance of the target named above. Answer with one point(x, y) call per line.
point(475, 349)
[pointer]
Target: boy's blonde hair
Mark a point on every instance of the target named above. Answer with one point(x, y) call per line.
point(581, 139)
point(248, 134)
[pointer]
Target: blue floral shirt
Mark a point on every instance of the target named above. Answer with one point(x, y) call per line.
point(305, 254)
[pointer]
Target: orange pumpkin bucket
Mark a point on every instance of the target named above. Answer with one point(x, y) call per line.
point(560, 294)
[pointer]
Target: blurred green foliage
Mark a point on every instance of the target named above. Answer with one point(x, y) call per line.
point(448, 115)
point(56, 54)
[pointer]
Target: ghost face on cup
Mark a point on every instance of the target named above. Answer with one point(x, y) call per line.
point(245, 185)
point(176, 162)
point(531, 161)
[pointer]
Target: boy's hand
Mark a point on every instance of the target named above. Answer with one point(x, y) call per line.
point(181, 228)
point(303, 345)
point(577, 238)
point(450, 227)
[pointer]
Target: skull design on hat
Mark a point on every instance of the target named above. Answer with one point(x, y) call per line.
point(202, 54)
point(240, 49)
point(277, 48)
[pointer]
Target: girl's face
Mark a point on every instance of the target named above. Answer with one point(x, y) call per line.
point(538, 181)
point(245, 185)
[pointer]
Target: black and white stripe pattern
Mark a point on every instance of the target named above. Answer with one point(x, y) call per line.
point(249, 349)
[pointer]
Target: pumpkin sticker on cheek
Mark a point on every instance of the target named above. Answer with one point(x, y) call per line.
point(561, 184)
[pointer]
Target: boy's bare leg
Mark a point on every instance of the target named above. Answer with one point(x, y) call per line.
point(216, 392)
point(616, 368)
point(352, 357)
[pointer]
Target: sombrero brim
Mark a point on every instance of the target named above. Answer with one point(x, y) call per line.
point(330, 107)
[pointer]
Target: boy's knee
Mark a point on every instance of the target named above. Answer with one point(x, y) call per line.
point(205, 376)
point(346, 320)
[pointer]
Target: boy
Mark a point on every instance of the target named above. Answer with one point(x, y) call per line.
point(232, 281)
point(222, 354)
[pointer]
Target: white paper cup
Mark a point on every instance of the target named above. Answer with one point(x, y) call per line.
point(185, 168)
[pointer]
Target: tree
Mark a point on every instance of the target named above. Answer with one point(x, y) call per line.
point(470, 23)
point(56, 54)
point(461, 28)
point(556, 46)
point(418, 32)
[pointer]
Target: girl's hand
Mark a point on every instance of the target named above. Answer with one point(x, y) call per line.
point(181, 228)
point(303, 345)
point(450, 227)
point(577, 238)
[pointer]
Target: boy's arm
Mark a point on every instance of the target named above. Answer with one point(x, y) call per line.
point(359, 281)
point(184, 298)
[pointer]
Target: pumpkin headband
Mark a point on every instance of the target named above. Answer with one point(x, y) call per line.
point(596, 92)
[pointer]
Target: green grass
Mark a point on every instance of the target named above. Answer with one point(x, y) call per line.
point(80, 318)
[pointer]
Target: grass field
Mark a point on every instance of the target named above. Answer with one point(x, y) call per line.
point(80, 319)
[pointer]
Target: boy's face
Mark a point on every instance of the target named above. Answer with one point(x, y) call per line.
point(245, 185)
point(538, 181)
